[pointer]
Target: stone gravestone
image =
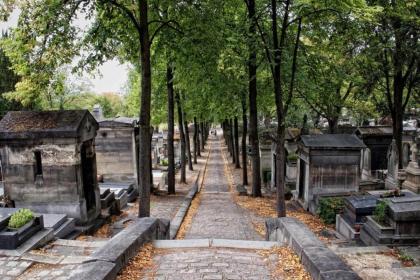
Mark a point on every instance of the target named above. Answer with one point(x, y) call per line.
point(391, 181)
point(412, 182)
point(366, 165)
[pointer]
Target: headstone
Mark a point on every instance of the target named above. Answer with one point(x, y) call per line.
point(405, 154)
point(412, 181)
point(366, 165)
point(391, 181)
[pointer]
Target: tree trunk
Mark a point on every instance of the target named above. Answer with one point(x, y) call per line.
point(195, 140)
point(151, 165)
point(398, 89)
point(144, 119)
point(253, 113)
point(187, 138)
point(236, 132)
point(171, 124)
point(244, 135)
point(203, 138)
point(397, 117)
point(280, 153)
point(332, 125)
point(197, 127)
point(182, 139)
point(232, 141)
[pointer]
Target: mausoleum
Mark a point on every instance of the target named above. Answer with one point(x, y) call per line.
point(328, 165)
point(49, 162)
point(117, 149)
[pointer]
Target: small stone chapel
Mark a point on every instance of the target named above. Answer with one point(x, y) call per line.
point(49, 162)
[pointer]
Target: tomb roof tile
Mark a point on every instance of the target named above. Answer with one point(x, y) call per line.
point(330, 141)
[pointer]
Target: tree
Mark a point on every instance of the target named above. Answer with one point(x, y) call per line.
point(46, 38)
point(8, 80)
point(395, 49)
point(171, 123)
point(253, 111)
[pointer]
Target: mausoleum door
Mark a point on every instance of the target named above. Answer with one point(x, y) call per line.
point(88, 161)
point(302, 175)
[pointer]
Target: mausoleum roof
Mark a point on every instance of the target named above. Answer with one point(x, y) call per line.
point(374, 130)
point(118, 121)
point(332, 141)
point(33, 124)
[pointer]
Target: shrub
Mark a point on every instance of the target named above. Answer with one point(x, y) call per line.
point(20, 218)
point(379, 214)
point(329, 207)
point(164, 162)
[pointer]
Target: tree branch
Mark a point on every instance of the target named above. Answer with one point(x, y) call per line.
point(166, 23)
point(294, 67)
point(128, 12)
point(267, 50)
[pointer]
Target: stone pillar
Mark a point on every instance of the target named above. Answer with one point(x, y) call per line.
point(412, 182)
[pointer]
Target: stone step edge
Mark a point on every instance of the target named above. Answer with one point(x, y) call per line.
point(216, 243)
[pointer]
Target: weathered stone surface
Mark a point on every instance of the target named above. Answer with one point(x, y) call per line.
point(292, 232)
point(322, 263)
point(126, 244)
point(319, 261)
point(98, 270)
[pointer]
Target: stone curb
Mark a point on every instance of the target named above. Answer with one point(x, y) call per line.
point(215, 243)
point(108, 260)
point(319, 261)
point(182, 211)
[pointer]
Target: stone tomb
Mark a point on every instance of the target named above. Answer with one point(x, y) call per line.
point(265, 163)
point(129, 188)
point(402, 225)
point(49, 162)
point(11, 239)
point(356, 208)
point(377, 140)
point(292, 137)
point(412, 181)
point(328, 165)
point(116, 149)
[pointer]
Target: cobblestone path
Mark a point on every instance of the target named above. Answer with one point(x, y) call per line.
point(210, 263)
point(218, 216)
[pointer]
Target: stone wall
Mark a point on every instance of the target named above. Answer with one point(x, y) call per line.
point(60, 171)
point(319, 261)
point(115, 153)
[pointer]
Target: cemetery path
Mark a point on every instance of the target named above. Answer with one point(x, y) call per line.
point(216, 263)
point(218, 216)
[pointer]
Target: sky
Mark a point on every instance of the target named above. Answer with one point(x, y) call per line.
point(112, 75)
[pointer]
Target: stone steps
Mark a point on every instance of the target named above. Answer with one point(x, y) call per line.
point(215, 243)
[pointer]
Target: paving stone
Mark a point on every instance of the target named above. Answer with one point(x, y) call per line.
point(218, 216)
